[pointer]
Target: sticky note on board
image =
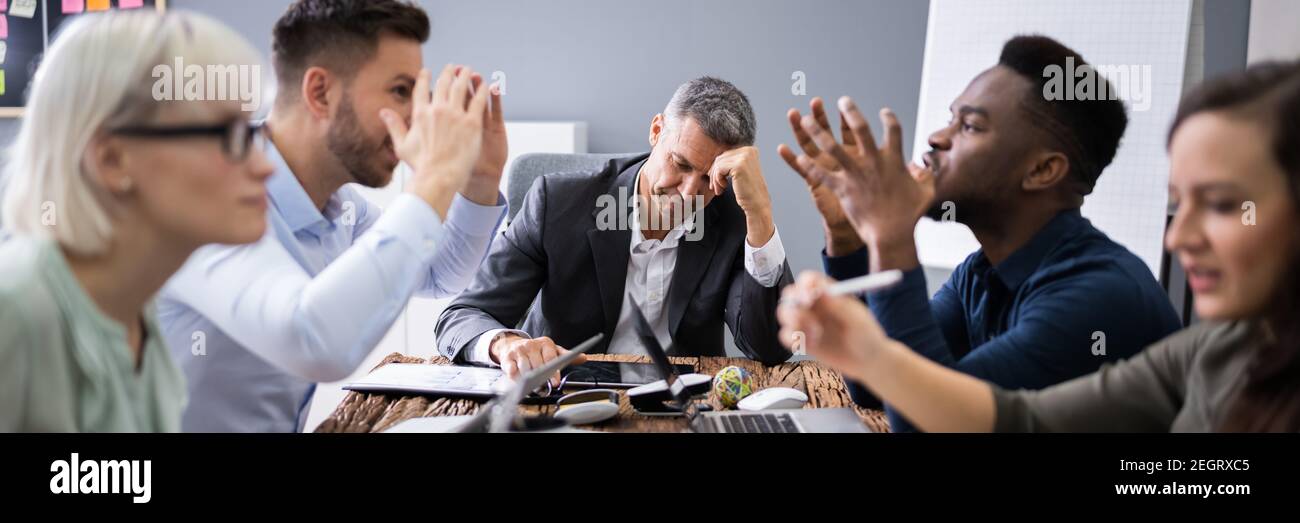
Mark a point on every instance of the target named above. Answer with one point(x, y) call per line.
point(96, 5)
point(4, 5)
point(4, 26)
point(74, 6)
point(126, 4)
point(2, 82)
point(23, 8)
point(4, 50)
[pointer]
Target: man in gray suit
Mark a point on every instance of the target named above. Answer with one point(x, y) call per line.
point(694, 245)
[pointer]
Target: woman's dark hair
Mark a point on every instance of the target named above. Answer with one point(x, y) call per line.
point(1267, 94)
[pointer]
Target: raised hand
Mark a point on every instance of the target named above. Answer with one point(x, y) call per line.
point(444, 137)
point(880, 194)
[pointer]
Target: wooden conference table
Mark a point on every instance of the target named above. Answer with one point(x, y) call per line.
point(368, 412)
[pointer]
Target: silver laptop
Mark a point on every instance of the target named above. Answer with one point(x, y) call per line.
point(779, 421)
point(765, 421)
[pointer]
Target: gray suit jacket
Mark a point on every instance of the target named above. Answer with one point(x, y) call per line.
point(564, 276)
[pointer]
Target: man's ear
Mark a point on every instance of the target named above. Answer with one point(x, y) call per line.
point(316, 85)
point(1049, 169)
point(656, 129)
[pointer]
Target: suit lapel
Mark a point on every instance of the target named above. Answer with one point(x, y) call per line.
point(693, 259)
point(610, 251)
point(610, 248)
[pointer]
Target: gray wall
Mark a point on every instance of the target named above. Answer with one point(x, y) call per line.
point(614, 64)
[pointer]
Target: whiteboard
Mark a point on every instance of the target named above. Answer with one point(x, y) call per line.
point(1129, 203)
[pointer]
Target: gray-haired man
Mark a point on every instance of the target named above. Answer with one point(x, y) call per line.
point(686, 230)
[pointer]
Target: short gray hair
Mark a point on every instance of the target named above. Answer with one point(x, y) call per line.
point(719, 108)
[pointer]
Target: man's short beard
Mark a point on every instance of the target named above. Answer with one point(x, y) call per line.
point(348, 143)
point(933, 163)
point(936, 211)
point(970, 210)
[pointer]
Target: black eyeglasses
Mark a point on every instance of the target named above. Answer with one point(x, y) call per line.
point(237, 136)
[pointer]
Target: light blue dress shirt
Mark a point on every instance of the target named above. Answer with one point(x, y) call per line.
point(254, 327)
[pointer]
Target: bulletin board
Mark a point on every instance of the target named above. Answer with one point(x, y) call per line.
point(28, 27)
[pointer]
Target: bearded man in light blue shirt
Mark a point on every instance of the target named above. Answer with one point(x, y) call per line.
point(254, 327)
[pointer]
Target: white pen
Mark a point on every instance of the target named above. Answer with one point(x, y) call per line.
point(861, 285)
point(864, 284)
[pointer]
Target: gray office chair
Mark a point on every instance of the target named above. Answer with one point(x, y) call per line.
point(527, 167)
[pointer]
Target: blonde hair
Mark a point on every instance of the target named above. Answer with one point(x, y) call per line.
point(98, 74)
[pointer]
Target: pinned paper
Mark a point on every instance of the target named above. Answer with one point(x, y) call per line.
point(126, 4)
point(4, 50)
point(74, 6)
point(4, 5)
point(23, 8)
point(4, 26)
point(96, 5)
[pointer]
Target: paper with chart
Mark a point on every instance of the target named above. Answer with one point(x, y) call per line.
point(1130, 200)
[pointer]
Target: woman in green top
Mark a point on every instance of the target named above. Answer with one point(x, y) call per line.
point(1235, 182)
point(111, 186)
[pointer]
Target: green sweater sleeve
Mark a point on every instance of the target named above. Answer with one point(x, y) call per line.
point(1141, 394)
point(15, 353)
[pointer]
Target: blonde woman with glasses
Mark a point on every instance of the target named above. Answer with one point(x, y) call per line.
point(108, 192)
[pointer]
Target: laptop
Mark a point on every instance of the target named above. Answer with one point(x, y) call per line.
point(765, 421)
point(502, 413)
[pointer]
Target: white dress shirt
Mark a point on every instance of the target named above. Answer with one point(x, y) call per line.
point(253, 327)
point(649, 276)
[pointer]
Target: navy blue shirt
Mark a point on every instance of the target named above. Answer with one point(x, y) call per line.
point(1067, 301)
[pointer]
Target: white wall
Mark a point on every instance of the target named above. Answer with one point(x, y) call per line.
point(1274, 30)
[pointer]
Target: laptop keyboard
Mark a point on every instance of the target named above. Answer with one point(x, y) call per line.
point(756, 423)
